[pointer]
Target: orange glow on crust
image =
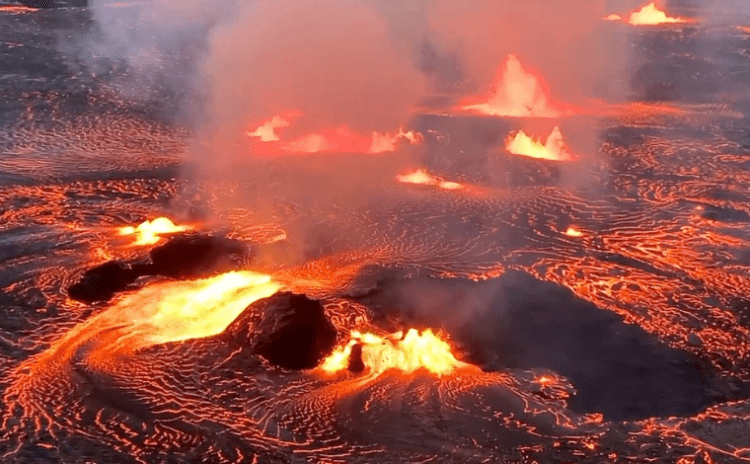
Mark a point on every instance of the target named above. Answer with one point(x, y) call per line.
point(405, 353)
point(150, 232)
point(650, 15)
point(554, 149)
point(518, 92)
point(422, 177)
point(613, 17)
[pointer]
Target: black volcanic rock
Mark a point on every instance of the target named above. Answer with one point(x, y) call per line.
point(182, 257)
point(102, 282)
point(194, 256)
point(38, 3)
point(295, 333)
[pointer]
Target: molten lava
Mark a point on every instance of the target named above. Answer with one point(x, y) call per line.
point(150, 232)
point(174, 311)
point(554, 149)
point(613, 17)
point(406, 353)
point(650, 15)
point(573, 232)
point(519, 92)
point(422, 177)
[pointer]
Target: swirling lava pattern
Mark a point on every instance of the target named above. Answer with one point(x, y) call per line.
point(663, 220)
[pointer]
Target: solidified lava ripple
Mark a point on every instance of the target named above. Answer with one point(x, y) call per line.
point(659, 268)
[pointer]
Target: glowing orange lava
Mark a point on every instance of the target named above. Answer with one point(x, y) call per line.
point(422, 177)
point(518, 92)
point(554, 149)
point(150, 232)
point(406, 353)
point(16, 9)
point(650, 15)
point(573, 232)
point(613, 17)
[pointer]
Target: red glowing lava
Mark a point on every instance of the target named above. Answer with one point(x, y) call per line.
point(554, 149)
point(518, 92)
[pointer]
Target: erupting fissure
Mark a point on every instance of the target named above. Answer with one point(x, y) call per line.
point(150, 232)
point(650, 15)
point(406, 353)
point(554, 149)
point(518, 92)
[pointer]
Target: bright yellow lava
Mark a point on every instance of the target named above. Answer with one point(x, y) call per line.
point(573, 232)
point(554, 149)
point(149, 232)
point(406, 353)
point(178, 311)
point(422, 177)
point(650, 15)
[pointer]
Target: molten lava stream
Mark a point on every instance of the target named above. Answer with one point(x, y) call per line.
point(517, 92)
point(162, 313)
point(406, 353)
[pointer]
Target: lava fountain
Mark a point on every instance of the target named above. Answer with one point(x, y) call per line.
point(650, 15)
point(518, 92)
point(400, 352)
point(554, 149)
point(150, 232)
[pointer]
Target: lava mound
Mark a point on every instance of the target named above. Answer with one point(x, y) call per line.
point(189, 256)
point(295, 332)
point(196, 256)
point(102, 282)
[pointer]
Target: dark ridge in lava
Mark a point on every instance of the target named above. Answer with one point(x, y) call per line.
point(196, 256)
point(294, 332)
point(38, 3)
point(517, 321)
point(102, 282)
point(182, 257)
